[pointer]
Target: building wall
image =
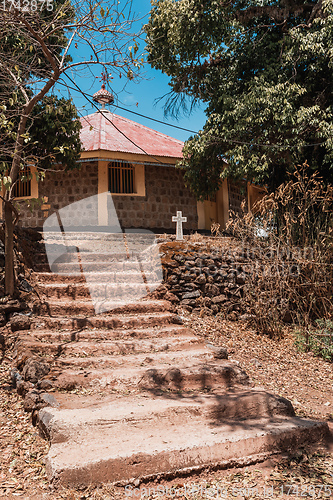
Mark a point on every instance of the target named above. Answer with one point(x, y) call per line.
point(237, 193)
point(59, 190)
point(165, 193)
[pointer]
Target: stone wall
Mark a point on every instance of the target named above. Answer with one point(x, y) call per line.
point(206, 281)
point(165, 194)
point(61, 189)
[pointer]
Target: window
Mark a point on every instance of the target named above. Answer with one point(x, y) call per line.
point(211, 198)
point(121, 178)
point(22, 188)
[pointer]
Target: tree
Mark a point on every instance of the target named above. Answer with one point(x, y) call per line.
point(265, 70)
point(35, 55)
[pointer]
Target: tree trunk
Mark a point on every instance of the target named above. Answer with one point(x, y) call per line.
point(9, 251)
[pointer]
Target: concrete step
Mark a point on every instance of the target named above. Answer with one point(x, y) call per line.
point(172, 372)
point(88, 348)
point(91, 334)
point(141, 438)
point(86, 307)
point(103, 266)
point(110, 321)
point(108, 290)
point(44, 278)
point(92, 256)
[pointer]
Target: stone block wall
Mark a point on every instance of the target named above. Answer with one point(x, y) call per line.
point(165, 194)
point(205, 280)
point(62, 188)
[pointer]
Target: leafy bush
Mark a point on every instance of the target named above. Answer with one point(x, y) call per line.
point(318, 340)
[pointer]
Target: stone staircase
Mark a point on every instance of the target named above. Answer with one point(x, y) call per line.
point(137, 394)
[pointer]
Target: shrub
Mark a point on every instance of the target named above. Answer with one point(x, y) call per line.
point(290, 235)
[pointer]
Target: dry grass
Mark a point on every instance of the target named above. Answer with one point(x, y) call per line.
point(289, 234)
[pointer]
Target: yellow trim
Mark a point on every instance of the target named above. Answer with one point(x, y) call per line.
point(210, 211)
point(34, 190)
point(139, 181)
point(201, 215)
point(130, 157)
point(254, 193)
point(34, 186)
point(223, 204)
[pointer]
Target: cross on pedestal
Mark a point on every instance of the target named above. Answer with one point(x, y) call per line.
point(179, 219)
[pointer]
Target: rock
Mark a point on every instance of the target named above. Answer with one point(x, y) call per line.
point(218, 352)
point(23, 387)
point(171, 297)
point(281, 406)
point(188, 302)
point(31, 401)
point(172, 280)
point(12, 306)
point(25, 286)
point(20, 322)
point(211, 290)
point(2, 342)
point(201, 279)
point(240, 279)
point(15, 377)
point(190, 277)
point(190, 287)
point(179, 257)
point(48, 400)
point(191, 295)
point(34, 370)
point(207, 302)
point(186, 308)
point(246, 317)
point(190, 264)
point(45, 384)
point(219, 299)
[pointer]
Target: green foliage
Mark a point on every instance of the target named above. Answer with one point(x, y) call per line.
point(55, 133)
point(265, 70)
point(52, 130)
point(318, 340)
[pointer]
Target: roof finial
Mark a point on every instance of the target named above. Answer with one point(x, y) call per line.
point(103, 96)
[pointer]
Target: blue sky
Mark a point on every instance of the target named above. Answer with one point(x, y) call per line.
point(140, 96)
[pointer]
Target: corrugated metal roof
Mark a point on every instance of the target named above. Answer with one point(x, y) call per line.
point(99, 131)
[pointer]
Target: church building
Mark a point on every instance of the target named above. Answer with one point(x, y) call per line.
point(136, 166)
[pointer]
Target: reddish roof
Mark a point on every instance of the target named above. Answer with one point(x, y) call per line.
point(116, 135)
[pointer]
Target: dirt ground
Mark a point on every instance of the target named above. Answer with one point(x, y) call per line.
point(275, 365)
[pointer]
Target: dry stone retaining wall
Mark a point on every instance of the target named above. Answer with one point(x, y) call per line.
point(202, 281)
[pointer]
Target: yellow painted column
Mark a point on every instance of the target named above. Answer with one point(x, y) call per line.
point(103, 193)
point(201, 215)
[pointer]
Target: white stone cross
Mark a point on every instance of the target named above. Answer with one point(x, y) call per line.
point(179, 219)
